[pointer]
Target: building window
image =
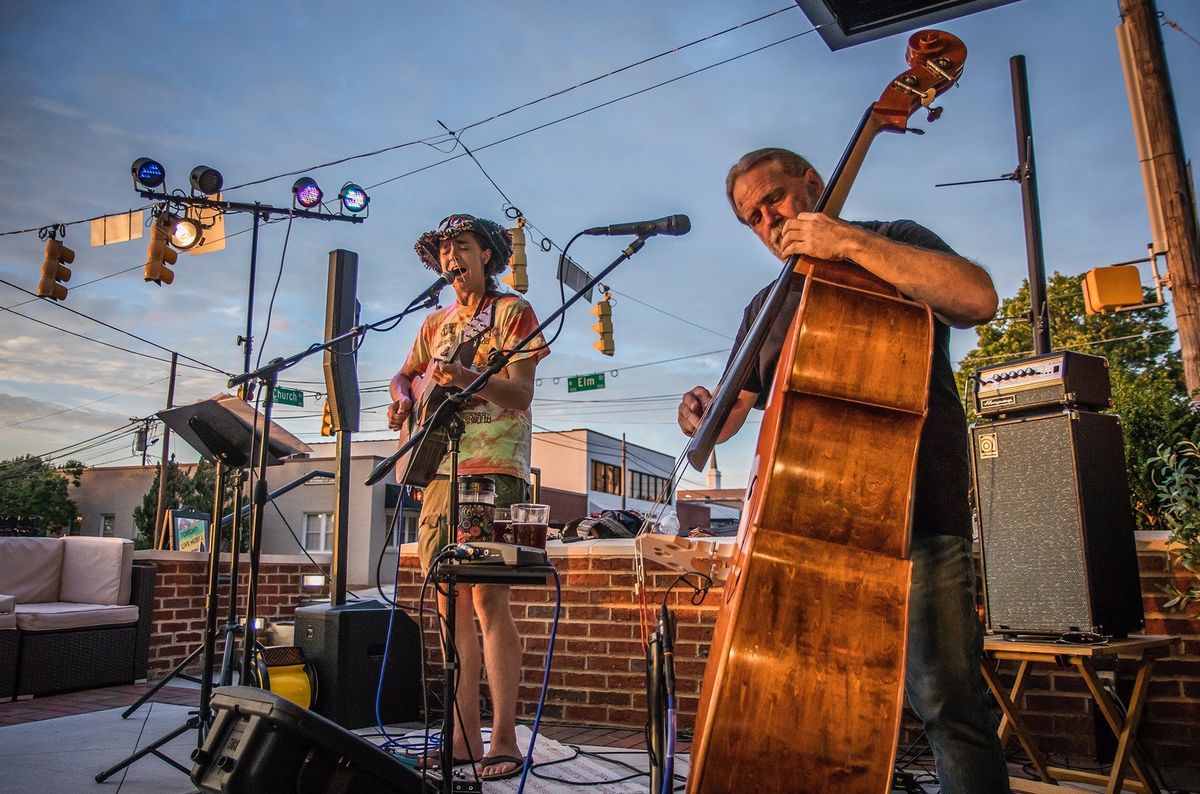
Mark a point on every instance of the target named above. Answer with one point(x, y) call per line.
point(318, 531)
point(606, 477)
point(108, 524)
point(647, 486)
point(407, 531)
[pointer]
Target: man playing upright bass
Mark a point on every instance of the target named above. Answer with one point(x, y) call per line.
point(773, 191)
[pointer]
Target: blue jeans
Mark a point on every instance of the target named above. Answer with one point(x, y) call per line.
point(942, 680)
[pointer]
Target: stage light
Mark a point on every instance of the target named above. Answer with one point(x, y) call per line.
point(207, 180)
point(148, 173)
point(307, 192)
point(184, 232)
point(354, 198)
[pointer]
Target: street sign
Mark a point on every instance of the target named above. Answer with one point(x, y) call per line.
point(286, 396)
point(585, 382)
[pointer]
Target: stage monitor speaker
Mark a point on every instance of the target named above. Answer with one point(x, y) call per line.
point(264, 744)
point(345, 645)
point(340, 361)
point(1055, 525)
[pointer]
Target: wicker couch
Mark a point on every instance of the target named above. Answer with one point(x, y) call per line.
point(82, 612)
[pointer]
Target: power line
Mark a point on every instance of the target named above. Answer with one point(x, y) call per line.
point(82, 405)
point(540, 378)
point(114, 328)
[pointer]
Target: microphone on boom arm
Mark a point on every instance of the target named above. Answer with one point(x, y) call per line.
point(674, 225)
point(436, 287)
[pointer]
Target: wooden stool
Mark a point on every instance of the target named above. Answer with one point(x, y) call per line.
point(1144, 649)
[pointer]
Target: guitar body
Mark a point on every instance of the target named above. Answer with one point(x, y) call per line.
point(419, 466)
point(805, 677)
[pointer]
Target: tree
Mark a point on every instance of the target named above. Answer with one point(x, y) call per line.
point(1147, 375)
point(31, 487)
point(184, 491)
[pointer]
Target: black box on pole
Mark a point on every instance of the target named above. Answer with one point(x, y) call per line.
point(1055, 523)
point(346, 646)
point(341, 362)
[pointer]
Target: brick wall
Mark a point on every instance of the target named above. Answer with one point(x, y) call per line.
point(598, 674)
point(179, 600)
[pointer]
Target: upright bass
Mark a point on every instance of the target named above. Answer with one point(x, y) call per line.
point(805, 677)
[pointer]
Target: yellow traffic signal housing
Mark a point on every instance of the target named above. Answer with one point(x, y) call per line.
point(158, 255)
point(1107, 289)
point(604, 326)
point(327, 420)
point(55, 271)
point(518, 276)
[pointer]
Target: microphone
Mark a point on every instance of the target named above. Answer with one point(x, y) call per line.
point(432, 291)
point(674, 225)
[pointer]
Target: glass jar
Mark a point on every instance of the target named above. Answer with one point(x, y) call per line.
point(476, 509)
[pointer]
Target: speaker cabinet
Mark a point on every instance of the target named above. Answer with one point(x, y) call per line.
point(1055, 525)
point(262, 743)
point(340, 361)
point(345, 645)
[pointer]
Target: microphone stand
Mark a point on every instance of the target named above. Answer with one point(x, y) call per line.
point(268, 375)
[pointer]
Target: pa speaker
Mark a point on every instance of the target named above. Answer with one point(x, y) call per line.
point(346, 646)
point(1055, 525)
point(340, 362)
point(262, 743)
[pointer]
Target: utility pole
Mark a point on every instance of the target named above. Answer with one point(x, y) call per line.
point(624, 473)
point(159, 514)
point(1171, 181)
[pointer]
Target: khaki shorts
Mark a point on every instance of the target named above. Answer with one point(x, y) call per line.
point(434, 534)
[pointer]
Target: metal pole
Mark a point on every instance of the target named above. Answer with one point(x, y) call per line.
point(160, 513)
point(1039, 307)
point(341, 524)
point(624, 475)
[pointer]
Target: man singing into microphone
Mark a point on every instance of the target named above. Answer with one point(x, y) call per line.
point(451, 348)
point(773, 192)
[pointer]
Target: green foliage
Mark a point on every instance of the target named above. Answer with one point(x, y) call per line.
point(31, 487)
point(1176, 472)
point(194, 492)
point(1147, 378)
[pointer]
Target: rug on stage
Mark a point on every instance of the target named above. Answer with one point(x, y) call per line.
point(566, 770)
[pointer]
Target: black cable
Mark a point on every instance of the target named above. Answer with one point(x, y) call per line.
point(274, 291)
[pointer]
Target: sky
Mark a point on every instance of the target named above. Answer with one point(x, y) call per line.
point(258, 90)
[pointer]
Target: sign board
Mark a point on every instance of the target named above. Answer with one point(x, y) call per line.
point(585, 382)
point(189, 530)
point(286, 396)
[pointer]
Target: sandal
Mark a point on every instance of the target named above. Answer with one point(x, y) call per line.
point(492, 760)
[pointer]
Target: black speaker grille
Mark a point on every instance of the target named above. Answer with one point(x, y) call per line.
point(1056, 525)
point(1030, 525)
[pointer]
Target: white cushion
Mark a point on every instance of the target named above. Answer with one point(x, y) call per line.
point(65, 615)
point(31, 568)
point(7, 603)
point(96, 570)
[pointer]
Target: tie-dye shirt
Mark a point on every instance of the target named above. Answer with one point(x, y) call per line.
point(497, 440)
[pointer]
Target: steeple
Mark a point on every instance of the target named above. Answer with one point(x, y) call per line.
point(713, 475)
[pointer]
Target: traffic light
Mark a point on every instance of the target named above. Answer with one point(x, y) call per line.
point(159, 254)
point(1107, 289)
point(603, 312)
point(55, 271)
point(518, 277)
point(327, 420)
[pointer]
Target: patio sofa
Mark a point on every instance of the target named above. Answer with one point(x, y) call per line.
point(81, 610)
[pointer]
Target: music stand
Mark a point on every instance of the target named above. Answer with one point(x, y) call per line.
point(223, 430)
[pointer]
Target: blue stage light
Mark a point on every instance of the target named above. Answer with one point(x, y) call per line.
point(148, 173)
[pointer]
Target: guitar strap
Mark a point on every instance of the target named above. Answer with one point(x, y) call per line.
point(472, 334)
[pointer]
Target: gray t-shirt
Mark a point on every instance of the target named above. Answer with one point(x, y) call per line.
point(943, 461)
